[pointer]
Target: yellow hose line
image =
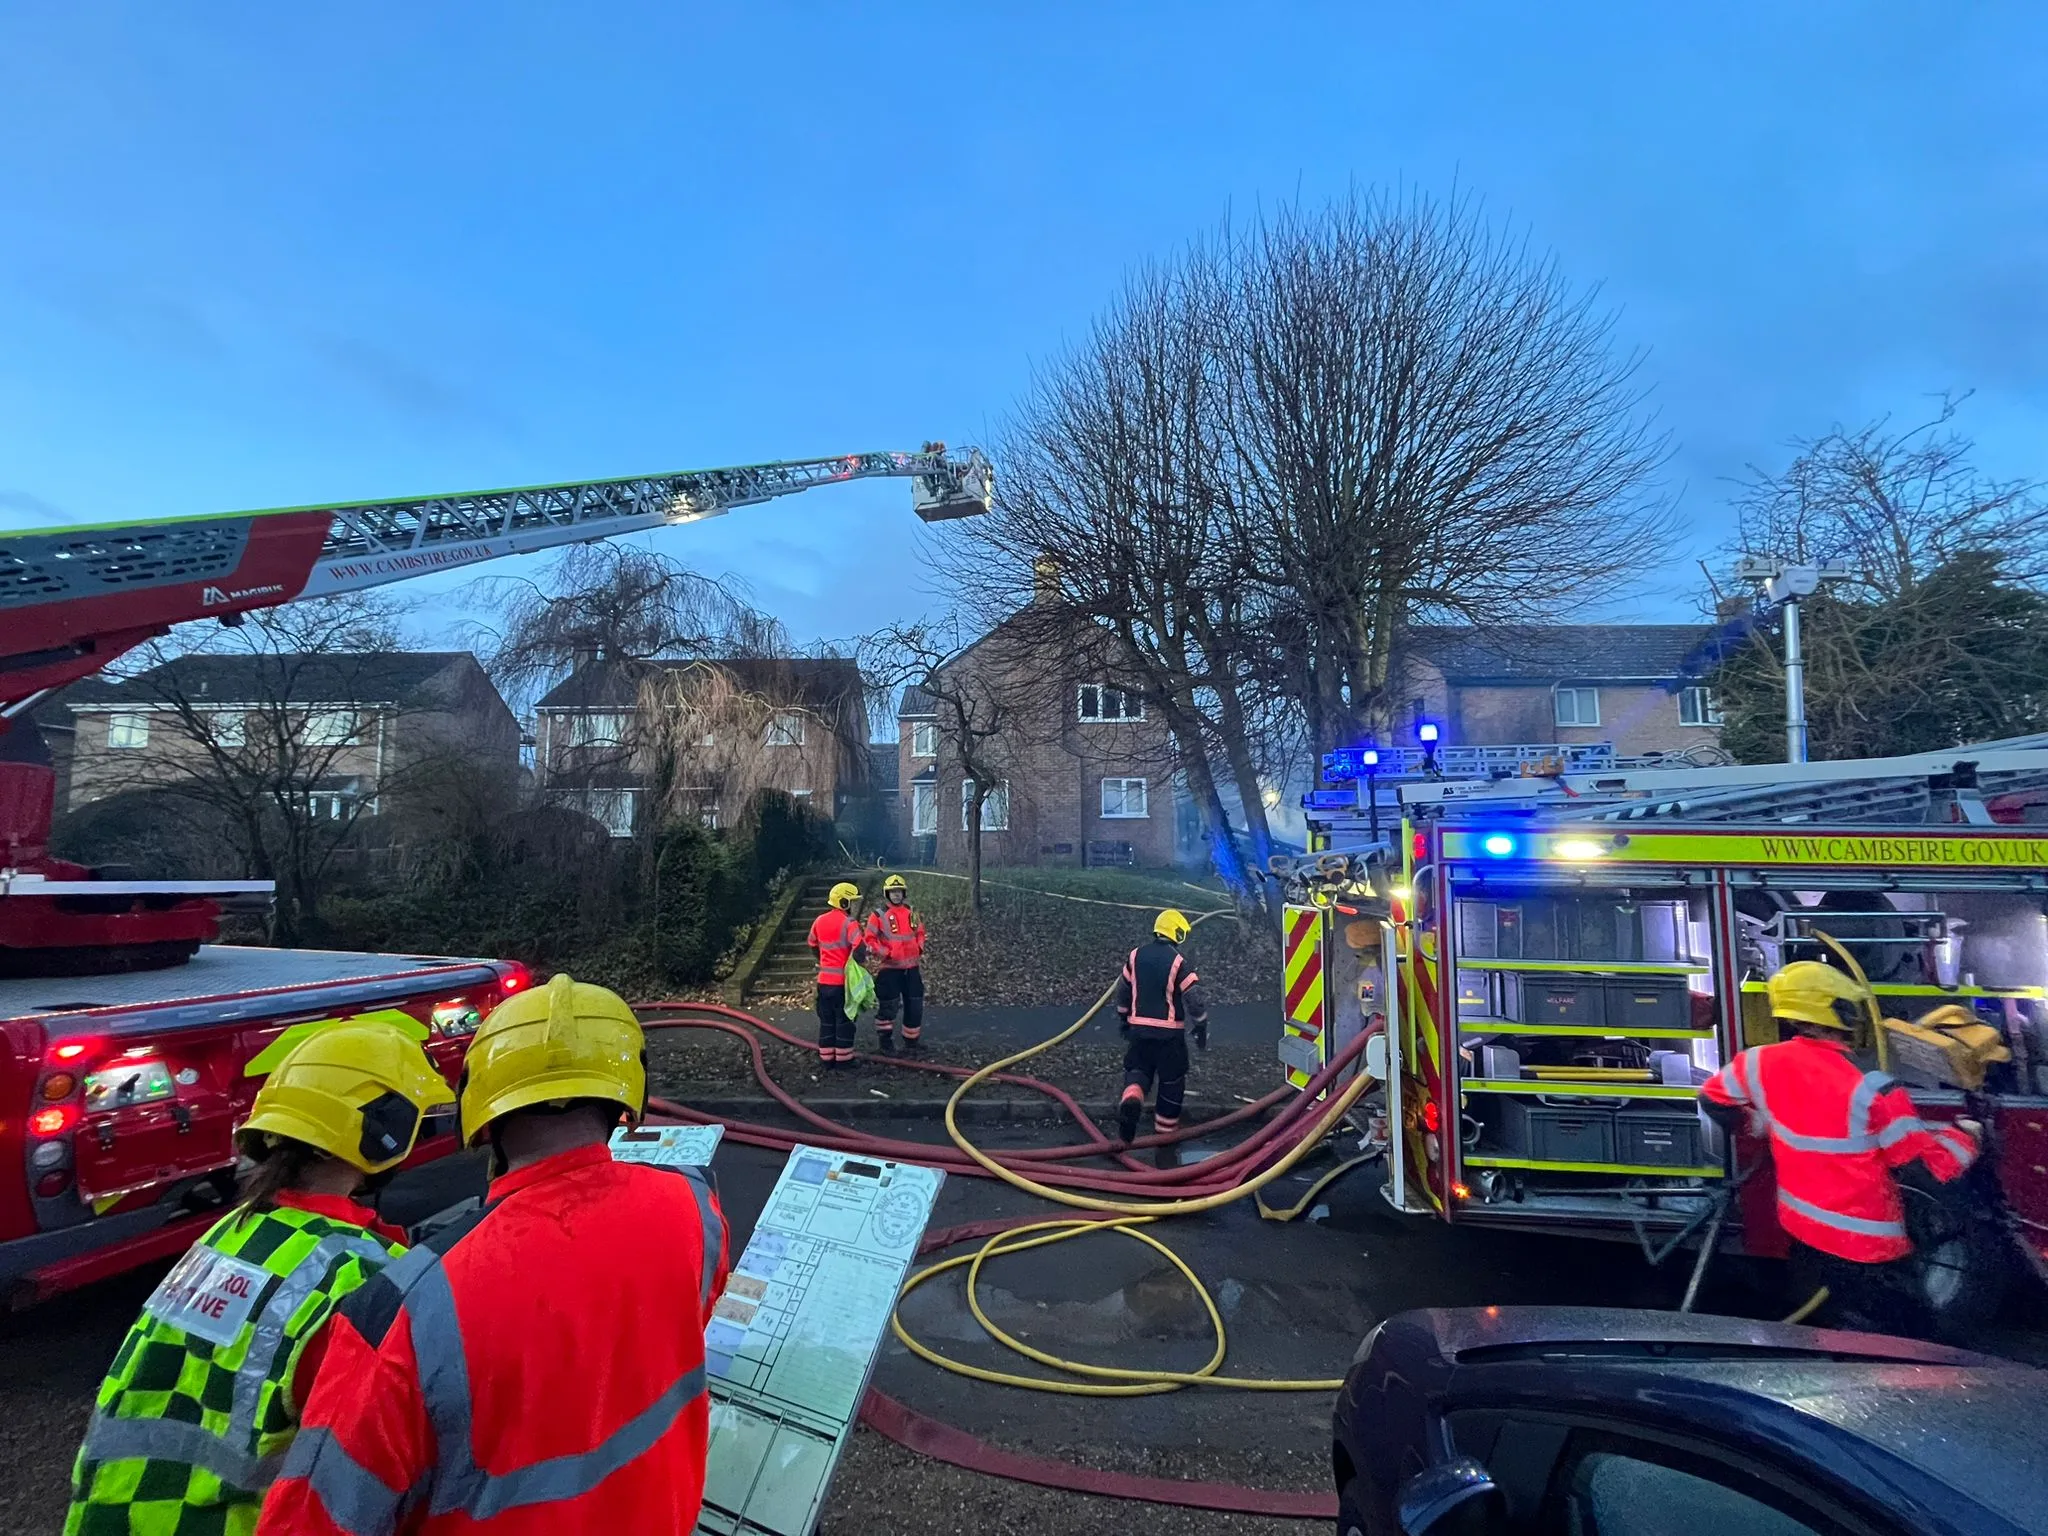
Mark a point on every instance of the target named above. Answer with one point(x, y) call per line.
point(1811, 1305)
point(1321, 1184)
point(1125, 1218)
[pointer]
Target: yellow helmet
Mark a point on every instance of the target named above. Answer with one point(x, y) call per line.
point(1171, 925)
point(565, 1040)
point(1807, 990)
point(844, 895)
point(356, 1090)
point(895, 883)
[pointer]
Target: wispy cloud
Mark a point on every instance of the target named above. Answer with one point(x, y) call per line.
point(32, 508)
point(409, 390)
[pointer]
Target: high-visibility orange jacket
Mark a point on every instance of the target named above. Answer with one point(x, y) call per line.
point(896, 938)
point(1836, 1132)
point(835, 939)
point(539, 1368)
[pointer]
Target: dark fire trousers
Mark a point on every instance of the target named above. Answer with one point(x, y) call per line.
point(1161, 1056)
point(907, 987)
point(835, 1029)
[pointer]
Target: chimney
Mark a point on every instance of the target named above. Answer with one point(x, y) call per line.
point(581, 656)
point(1045, 580)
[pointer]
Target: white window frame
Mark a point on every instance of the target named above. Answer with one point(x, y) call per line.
point(229, 727)
point(995, 810)
point(779, 732)
point(612, 809)
point(924, 739)
point(924, 810)
point(1574, 704)
point(127, 731)
point(1121, 789)
point(330, 727)
point(601, 728)
point(1698, 706)
point(1091, 704)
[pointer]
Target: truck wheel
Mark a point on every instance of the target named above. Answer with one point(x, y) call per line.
point(1963, 1278)
point(1351, 1510)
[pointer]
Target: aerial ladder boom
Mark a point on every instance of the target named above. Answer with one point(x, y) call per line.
point(74, 599)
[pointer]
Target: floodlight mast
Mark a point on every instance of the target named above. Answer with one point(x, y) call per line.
point(1785, 585)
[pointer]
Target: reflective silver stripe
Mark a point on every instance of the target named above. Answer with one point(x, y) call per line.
point(1900, 1129)
point(457, 1481)
point(1861, 1226)
point(1799, 1141)
point(1749, 1078)
point(713, 1228)
point(1864, 1099)
point(267, 1341)
point(355, 1498)
point(115, 1439)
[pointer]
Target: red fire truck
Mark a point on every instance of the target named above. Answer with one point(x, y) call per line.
point(131, 1045)
point(1557, 963)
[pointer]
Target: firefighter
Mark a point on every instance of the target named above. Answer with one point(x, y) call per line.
point(206, 1391)
point(539, 1364)
point(1160, 1003)
point(1837, 1134)
point(895, 937)
point(837, 942)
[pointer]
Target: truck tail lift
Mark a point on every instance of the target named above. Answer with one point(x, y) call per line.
point(75, 599)
point(1556, 963)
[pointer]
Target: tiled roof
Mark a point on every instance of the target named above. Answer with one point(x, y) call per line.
point(366, 677)
point(916, 704)
point(883, 767)
point(1549, 653)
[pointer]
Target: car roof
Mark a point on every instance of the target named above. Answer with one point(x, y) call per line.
point(1970, 1422)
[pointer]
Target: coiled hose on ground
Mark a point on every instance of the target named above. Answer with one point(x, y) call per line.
point(1123, 1199)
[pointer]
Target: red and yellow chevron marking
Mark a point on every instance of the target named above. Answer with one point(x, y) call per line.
point(1302, 970)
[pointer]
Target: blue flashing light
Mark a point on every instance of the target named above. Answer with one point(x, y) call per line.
point(1498, 845)
point(1428, 732)
point(1350, 763)
point(1369, 757)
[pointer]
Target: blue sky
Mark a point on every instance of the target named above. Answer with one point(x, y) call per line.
point(261, 255)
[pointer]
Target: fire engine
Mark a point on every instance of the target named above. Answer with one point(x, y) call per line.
point(1548, 965)
point(131, 1043)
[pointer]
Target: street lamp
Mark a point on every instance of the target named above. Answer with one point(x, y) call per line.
point(1785, 585)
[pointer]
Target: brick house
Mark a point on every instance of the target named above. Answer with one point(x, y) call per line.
point(355, 722)
point(615, 736)
point(1090, 768)
point(1636, 686)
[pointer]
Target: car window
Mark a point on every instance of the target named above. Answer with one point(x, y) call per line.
point(1612, 1493)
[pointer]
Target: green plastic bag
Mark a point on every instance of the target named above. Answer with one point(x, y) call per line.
point(860, 990)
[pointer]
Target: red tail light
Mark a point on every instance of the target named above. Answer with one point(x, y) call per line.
point(71, 1050)
point(517, 978)
point(1432, 1117)
point(54, 1121)
point(1419, 846)
point(51, 1185)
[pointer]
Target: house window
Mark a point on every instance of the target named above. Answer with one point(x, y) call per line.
point(1100, 703)
point(924, 740)
point(1698, 706)
point(924, 810)
point(608, 730)
point(324, 806)
point(329, 727)
point(800, 794)
point(229, 728)
point(1577, 706)
point(1124, 799)
point(127, 733)
point(611, 809)
point(709, 817)
point(995, 810)
point(786, 730)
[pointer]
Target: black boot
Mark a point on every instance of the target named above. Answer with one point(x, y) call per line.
point(1127, 1114)
point(913, 1045)
point(888, 1038)
point(1167, 1156)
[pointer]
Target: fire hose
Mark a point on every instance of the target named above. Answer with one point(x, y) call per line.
point(1149, 1195)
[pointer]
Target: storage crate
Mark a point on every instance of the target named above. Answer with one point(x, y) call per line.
point(1554, 1133)
point(1475, 995)
point(1664, 1138)
point(1534, 998)
point(1648, 1002)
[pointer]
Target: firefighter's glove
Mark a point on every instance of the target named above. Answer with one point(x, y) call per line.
point(1201, 1033)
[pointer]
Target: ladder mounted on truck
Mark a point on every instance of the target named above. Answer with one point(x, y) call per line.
point(74, 599)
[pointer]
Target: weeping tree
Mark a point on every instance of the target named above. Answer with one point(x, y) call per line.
point(1272, 455)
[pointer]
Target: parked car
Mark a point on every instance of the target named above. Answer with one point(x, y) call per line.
point(1605, 1422)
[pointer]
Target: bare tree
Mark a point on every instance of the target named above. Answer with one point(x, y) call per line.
point(1896, 504)
point(615, 601)
point(978, 710)
point(274, 735)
